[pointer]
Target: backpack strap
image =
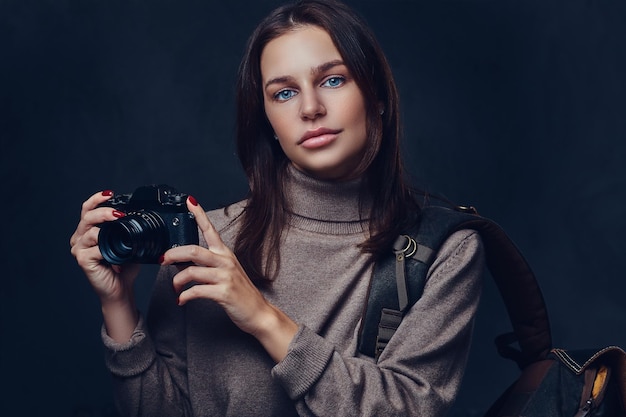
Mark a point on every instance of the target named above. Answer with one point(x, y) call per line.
point(388, 301)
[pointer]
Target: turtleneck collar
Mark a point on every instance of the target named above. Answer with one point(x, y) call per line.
point(325, 206)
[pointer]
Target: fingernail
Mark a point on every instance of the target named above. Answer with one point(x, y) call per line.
point(161, 259)
point(107, 193)
point(118, 214)
point(193, 200)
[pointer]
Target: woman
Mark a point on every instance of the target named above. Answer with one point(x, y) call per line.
point(265, 320)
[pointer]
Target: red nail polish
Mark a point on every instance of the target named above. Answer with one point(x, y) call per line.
point(161, 259)
point(107, 193)
point(193, 200)
point(118, 214)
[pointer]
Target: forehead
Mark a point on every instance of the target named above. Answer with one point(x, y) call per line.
point(297, 50)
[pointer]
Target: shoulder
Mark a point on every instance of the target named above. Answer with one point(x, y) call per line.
point(462, 250)
point(464, 239)
point(225, 217)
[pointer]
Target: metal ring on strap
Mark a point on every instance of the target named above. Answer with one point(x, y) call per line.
point(410, 248)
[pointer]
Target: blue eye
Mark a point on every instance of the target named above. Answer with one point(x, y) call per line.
point(284, 95)
point(334, 82)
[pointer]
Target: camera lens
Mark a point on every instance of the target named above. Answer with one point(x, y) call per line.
point(139, 237)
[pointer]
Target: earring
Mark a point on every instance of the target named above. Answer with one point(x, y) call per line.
point(381, 110)
point(275, 136)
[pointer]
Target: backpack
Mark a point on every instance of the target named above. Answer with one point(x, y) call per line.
point(553, 382)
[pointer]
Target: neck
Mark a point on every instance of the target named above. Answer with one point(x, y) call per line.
point(327, 204)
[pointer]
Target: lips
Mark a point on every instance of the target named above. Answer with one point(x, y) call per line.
point(319, 135)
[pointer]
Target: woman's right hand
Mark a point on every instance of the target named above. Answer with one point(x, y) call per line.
point(112, 283)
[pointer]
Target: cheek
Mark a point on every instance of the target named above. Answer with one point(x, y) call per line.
point(280, 124)
point(358, 120)
point(354, 111)
point(277, 119)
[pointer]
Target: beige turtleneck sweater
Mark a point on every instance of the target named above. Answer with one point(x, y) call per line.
point(192, 361)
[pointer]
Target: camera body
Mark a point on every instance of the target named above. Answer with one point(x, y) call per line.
point(156, 219)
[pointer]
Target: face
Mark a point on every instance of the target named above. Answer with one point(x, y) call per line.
point(314, 106)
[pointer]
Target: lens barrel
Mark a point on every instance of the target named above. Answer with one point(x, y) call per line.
point(139, 237)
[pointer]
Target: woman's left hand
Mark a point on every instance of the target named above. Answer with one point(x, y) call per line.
point(217, 275)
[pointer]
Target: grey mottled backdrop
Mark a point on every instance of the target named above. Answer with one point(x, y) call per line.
point(516, 107)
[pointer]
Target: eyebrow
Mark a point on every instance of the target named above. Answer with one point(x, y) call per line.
point(314, 71)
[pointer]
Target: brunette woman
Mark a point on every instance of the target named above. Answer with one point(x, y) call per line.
point(265, 321)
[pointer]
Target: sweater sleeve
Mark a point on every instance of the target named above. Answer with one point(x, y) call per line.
point(149, 371)
point(420, 370)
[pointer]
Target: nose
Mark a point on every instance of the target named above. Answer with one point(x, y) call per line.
point(311, 106)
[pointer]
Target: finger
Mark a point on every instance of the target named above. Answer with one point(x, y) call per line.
point(210, 292)
point(95, 200)
point(211, 235)
point(94, 218)
point(88, 258)
point(91, 215)
point(87, 240)
point(193, 254)
point(86, 250)
point(196, 275)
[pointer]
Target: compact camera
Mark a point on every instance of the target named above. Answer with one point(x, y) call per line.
point(156, 220)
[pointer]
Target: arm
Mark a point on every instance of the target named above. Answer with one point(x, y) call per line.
point(138, 369)
point(218, 276)
point(421, 368)
point(113, 284)
point(150, 370)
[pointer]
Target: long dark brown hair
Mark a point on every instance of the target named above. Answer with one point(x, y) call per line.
point(265, 163)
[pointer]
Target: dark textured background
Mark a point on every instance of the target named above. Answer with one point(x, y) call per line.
point(516, 107)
